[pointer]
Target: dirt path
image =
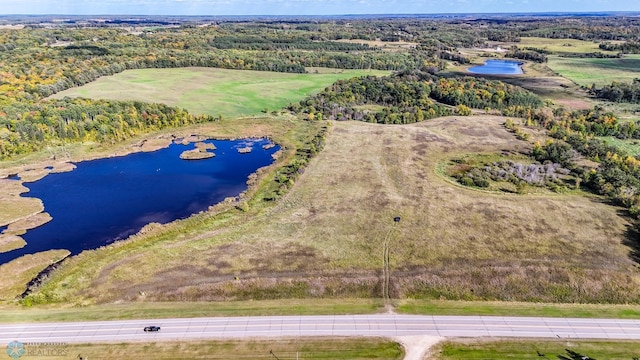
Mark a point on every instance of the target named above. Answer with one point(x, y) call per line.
point(417, 347)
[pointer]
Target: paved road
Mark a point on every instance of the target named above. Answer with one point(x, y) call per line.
point(386, 325)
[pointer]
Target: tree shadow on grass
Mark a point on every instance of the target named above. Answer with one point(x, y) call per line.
point(632, 231)
point(632, 240)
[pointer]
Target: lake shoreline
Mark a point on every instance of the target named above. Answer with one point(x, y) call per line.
point(17, 176)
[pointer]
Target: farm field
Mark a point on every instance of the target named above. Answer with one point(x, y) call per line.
point(534, 349)
point(384, 45)
point(560, 46)
point(327, 236)
point(588, 71)
point(211, 91)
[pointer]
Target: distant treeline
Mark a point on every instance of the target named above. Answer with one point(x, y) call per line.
point(457, 57)
point(592, 55)
point(627, 47)
point(254, 42)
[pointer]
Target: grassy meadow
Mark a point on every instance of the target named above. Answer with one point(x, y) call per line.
point(310, 306)
point(534, 349)
point(514, 308)
point(327, 236)
point(16, 274)
point(212, 91)
point(561, 46)
point(632, 146)
point(162, 310)
point(588, 71)
point(290, 349)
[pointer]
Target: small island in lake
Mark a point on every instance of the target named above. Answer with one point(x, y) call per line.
point(200, 152)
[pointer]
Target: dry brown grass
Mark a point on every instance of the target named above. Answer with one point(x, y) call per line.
point(325, 237)
point(10, 242)
point(19, 227)
point(14, 207)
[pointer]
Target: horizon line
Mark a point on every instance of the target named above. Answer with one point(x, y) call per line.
point(607, 12)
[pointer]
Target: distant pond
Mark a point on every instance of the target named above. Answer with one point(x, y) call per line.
point(498, 67)
point(105, 200)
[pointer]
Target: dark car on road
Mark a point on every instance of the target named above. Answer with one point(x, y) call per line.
point(151, 328)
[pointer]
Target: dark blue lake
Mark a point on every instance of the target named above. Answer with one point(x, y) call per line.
point(109, 199)
point(498, 67)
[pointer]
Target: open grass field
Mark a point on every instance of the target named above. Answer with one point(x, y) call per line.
point(384, 45)
point(284, 349)
point(534, 349)
point(230, 93)
point(585, 71)
point(514, 308)
point(162, 310)
point(632, 146)
point(321, 306)
point(326, 238)
point(560, 46)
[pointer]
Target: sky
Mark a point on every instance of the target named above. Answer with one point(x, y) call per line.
point(306, 7)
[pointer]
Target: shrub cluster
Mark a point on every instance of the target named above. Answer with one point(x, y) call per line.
point(619, 92)
point(543, 175)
